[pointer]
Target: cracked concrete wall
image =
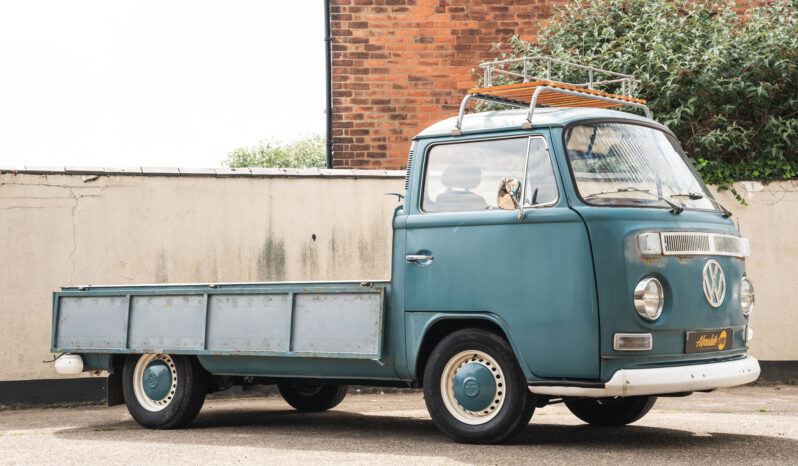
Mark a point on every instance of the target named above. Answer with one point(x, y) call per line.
point(58, 229)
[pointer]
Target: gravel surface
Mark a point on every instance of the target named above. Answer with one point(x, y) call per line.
point(750, 424)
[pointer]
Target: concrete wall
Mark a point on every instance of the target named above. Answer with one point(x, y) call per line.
point(770, 222)
point(68, 229)
point(59, 229)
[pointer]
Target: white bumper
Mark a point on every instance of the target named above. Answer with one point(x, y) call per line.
point(661, 380)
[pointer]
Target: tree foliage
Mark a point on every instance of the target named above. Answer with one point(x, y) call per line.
point(304, 153)
point(724, 80)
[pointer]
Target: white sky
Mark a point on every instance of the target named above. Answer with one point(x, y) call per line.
point(156, 83)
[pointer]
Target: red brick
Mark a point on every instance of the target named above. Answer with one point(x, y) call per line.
point(400, 65)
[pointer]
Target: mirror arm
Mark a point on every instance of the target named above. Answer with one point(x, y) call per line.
point(520, 207)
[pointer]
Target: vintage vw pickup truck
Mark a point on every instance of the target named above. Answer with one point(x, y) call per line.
point(564, 252)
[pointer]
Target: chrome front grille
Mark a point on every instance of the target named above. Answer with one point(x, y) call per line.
point(685, 242)
point(695, 243)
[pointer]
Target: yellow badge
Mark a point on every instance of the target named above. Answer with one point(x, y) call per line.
point(722, 340)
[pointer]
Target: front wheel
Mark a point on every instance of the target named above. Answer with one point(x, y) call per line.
point(312, 397)
point(611, 411)
point(163, 391)
point(474, 388)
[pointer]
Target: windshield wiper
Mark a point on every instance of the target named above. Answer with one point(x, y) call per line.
point(695, 196)
point(675, 209)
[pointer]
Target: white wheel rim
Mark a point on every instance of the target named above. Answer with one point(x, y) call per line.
point(138, 382)
point(447, 388)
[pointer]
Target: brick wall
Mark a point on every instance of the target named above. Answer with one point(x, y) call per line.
point(401, 65)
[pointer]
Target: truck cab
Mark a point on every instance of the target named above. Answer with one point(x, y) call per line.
point(615, 276)
point(568, 253)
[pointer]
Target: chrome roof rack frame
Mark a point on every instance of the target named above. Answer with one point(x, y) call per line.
point(532, 87)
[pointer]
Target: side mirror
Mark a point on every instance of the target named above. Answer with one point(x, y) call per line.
point(509, 197)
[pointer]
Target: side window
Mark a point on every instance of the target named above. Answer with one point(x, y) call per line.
point(465, 176)
point(541, 185)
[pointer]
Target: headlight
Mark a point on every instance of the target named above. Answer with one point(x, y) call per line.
point(747, 296)
point(649, 298)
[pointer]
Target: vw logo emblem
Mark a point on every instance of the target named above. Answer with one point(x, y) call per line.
point(714, 283)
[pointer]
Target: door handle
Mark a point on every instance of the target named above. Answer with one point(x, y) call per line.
point(419, 258)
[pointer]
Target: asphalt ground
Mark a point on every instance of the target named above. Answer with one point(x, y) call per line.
point(744, 425)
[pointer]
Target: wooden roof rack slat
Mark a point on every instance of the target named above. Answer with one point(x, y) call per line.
point(533, 90)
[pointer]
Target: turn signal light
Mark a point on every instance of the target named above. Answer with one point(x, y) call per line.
point(632, 342)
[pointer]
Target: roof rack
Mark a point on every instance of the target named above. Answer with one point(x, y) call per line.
point(536, 90)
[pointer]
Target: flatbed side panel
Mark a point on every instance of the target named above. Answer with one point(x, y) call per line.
point(327, 323)
point(331, 320)
point(167, 322)
point(249, 322)
point(92, 322)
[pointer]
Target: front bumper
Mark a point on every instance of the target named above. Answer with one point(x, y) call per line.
point(662, 380)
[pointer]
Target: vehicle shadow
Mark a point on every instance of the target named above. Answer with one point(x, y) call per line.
point(349, 432)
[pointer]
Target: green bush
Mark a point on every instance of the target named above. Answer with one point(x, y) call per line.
point(304, 153)
point(725, 81)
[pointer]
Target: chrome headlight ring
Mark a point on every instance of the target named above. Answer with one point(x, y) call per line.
point(747, 297)
point(649, 298)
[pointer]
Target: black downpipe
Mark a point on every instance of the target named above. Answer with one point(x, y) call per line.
point(328, 76)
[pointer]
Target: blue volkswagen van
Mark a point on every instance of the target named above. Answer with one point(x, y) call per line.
point(560, 253)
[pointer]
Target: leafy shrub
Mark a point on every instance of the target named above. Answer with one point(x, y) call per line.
point(724, 80)
point(305, 153)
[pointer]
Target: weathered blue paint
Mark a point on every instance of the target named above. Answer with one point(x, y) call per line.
point(474, 386)
point(418, 325)
point(535, 273)
point(293, 367)
point(558, 283)
point(287, 320)
point(618, 268)
point(156, 380)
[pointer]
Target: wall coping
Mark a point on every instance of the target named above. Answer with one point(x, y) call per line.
point(207, 172)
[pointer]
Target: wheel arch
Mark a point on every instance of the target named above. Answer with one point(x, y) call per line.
point(441, 324)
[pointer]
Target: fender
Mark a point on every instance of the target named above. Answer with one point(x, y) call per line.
point(418, 325)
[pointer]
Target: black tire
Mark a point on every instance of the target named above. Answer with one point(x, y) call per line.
point(517, 405)
point(312, 397)
point(183, 401)
point(611, 411)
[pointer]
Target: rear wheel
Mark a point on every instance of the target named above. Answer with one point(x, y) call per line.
point(163, 391)
point(474, 388)
point(312, 397)
point(611, 411)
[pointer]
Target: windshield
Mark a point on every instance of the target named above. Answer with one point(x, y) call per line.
point(626, 164)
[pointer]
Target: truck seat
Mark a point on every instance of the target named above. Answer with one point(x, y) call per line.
point(459, 178)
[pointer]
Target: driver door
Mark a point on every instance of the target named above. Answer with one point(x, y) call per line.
point(535, 274)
